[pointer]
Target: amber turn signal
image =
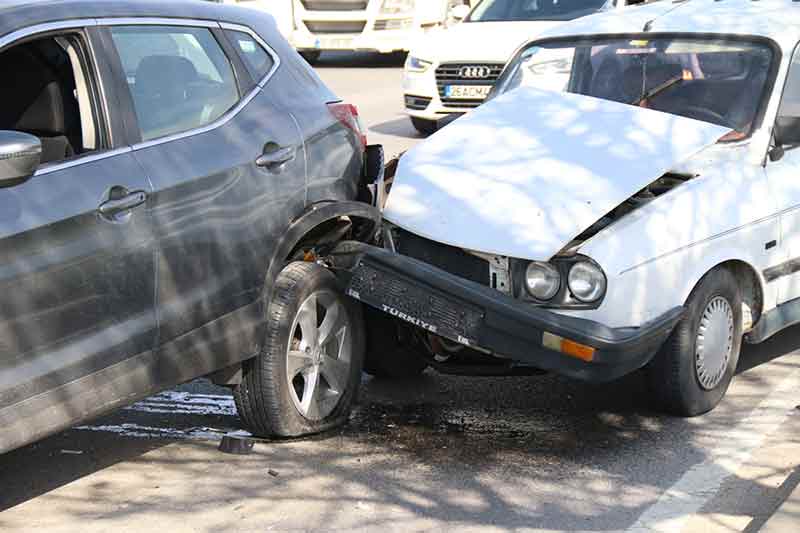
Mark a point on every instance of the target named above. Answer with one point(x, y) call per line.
point(568, 347)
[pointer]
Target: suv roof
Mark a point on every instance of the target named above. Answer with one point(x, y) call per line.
point(778, 20)
point(18, 14)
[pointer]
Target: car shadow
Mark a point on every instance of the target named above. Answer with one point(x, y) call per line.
point(399, 127)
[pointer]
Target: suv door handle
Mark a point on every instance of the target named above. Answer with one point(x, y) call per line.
point(275, 159)
point(116, 208)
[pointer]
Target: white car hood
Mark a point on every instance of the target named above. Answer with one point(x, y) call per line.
point(478, 41)
point(529, 171)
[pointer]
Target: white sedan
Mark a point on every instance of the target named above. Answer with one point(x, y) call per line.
point(646, 217)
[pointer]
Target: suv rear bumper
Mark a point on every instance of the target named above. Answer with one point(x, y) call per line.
point(480, 317)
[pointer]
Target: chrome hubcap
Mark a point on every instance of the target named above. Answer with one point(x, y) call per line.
point(319, 355)
point(714, 342)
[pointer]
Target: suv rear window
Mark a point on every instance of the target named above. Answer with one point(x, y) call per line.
point(258, 61)
point(179, 77)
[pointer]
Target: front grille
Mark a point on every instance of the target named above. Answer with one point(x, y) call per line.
point(334, 27)
point(450, 74)
point(334, 5)
point(448, 258)
point(412, 300)
point(393, 24)
point(417, 103)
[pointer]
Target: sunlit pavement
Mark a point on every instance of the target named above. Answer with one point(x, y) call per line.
point(437, 453)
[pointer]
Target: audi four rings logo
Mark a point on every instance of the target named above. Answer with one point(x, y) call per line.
point(475, 73)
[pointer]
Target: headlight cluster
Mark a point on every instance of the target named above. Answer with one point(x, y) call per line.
point(395, 7)
point(415, 64)
point(584, 280)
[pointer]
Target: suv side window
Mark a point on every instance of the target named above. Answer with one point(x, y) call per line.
point(258, 61)
point(179, 77)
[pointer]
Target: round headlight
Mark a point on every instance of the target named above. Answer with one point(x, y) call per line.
point(586, 282)
point(542, 281)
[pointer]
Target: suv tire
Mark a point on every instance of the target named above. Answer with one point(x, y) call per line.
point(307, 376)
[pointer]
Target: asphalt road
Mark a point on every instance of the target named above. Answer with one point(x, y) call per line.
point(437, 453)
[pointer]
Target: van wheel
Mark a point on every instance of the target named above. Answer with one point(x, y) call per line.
point(425, 127)
point(311, 56)
point(392, 351)
point(309, 371)
point(692, 371)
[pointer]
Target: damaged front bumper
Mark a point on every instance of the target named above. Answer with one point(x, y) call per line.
point(480, 317)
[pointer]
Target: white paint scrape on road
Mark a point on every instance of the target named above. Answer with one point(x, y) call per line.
point(701, 483)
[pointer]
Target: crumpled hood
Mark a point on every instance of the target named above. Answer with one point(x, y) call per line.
point(478, 41)
point(529, 171)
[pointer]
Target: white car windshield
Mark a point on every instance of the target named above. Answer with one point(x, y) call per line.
point(717, 81)
point(513, 10)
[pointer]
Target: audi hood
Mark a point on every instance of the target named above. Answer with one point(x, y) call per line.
point(529, 171)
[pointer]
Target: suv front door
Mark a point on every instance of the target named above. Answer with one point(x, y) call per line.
point(77, 269)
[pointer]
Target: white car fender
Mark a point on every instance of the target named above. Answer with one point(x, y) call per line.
point(655, 256)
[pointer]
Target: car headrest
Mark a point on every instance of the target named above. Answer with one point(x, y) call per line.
point(160, 76)
point(36, 93)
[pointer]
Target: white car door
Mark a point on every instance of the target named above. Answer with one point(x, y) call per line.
point(784, 180)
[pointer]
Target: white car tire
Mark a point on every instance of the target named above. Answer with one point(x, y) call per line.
point(693, 370)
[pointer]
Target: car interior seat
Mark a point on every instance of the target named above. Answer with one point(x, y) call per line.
point(34, 102)
point(162, 94)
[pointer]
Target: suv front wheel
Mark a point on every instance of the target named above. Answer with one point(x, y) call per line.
point(308, 374)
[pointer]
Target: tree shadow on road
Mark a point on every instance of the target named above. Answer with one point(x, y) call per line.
point(505, 452)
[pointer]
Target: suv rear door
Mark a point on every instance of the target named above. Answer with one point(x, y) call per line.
point(228, 169)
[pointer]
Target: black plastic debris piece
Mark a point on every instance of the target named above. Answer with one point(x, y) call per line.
point(236, 445)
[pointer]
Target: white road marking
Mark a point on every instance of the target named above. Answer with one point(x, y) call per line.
point(701, 483)
point(187, 404)
point(177, 403)
point(149, 432)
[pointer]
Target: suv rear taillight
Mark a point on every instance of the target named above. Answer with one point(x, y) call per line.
point(347, 114)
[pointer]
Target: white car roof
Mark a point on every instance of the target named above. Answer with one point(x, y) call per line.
point(778, 20)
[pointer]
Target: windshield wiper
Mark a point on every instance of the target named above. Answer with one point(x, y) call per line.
point(659, 89)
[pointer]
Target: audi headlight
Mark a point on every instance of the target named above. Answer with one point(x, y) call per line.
point(586, 282)
point(394, 7)
point(542, 281)
point(415, 64)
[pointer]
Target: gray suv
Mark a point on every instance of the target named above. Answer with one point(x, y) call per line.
point(171, 174)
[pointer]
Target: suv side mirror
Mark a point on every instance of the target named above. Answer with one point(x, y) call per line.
point(459, 12)
point(20, 156)
point(787, 131)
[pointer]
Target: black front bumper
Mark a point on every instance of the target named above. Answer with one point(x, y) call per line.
point(478, 316)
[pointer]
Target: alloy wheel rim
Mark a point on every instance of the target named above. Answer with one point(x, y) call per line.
point(714, 342)
point(318, 357)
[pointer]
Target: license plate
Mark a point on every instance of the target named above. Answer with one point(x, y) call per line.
point(467, 92)
point(341, 43)
point(407, 300)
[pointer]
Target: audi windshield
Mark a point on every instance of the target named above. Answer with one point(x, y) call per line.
point(721, 81)
point(518, 10)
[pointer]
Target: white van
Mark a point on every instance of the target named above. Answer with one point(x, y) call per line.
point(384, 26)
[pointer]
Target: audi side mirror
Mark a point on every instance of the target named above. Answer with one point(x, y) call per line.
point(20, 156)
